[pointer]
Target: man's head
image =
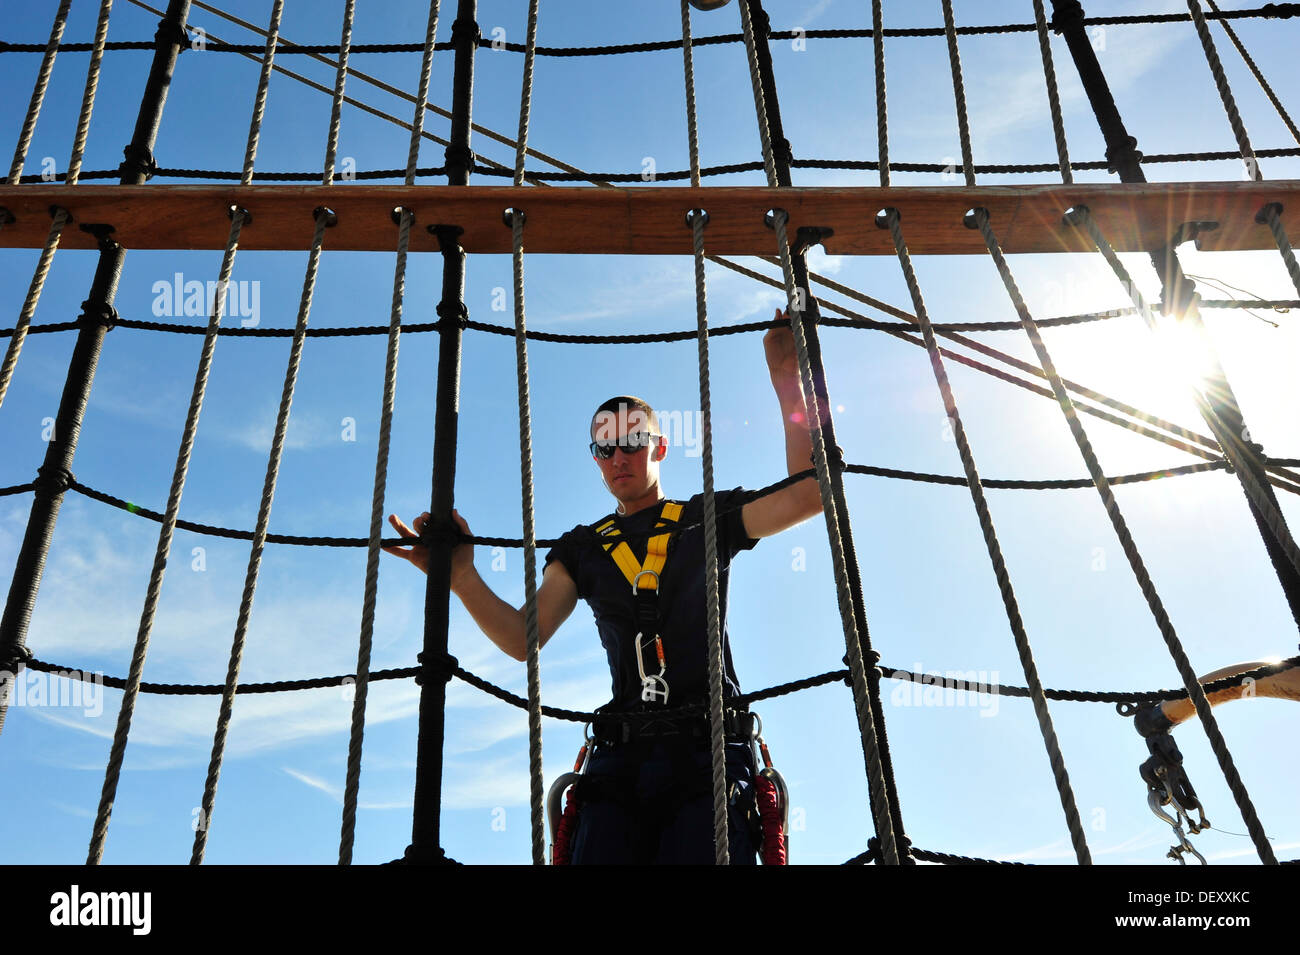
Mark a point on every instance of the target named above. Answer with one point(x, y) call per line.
point(627, 429)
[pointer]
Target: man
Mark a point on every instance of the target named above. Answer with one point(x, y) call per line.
point(647, 795)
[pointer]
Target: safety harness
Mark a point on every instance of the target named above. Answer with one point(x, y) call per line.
point(767, 805)
point(644, 577)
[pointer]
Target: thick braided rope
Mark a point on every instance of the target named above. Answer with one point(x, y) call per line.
point(361, 689)
point(1274, 223)
point(46, 260)
point(866, 721)
point(273, 464)
point(88, 95)
point(959, 93)
point(697, 220)
point(422, 94)
point(132, 688)
point(532, 633)
point(526, 95)
point(259, 543)
point(34, 289)
point(1176, 652)
point(693, 709)
point(882, 102)
point(1059, 772)
point(1053, 94)
point(406, 218)
point(1230, 443)
point(1225, 92)
point(1250, 62)
point(340, 78)
point(38, 93)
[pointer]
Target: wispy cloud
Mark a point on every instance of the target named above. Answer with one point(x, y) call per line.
point(336, 792)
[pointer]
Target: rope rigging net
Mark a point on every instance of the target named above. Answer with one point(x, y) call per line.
point(1251, 215)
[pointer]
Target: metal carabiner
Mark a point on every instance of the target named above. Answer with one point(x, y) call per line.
point(640, 574)
point(1155, 802)
point(654, 687)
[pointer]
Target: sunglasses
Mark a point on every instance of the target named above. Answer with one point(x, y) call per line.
point(630, 443)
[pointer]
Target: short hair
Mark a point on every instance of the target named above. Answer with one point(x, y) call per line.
point(610, 409)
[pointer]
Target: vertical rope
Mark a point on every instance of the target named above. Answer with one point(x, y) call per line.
point(1250, 62)
point(132, 689)
point(515, 219)
point(1225, 92)
point(422, 97)
point(340, 77)
point(88, 95)
point(1269, 216)
point(526, 94)
point(717, 724)
point(324, 218)
point(1053, 94)
point(857, 670)
point(1231, 444)
point(1195, 693)
point(34, 289)
point(882, 109)
point(959, 93)
point(406, 219)
point(38, 93)
point(46, 260)
point(1059, 773)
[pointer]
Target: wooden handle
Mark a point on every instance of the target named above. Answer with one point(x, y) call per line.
point(1284, 685)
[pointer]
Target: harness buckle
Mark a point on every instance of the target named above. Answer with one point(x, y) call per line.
point(642, 573)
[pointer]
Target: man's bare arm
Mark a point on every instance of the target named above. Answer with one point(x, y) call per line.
point(794, 504)
point(504, 625)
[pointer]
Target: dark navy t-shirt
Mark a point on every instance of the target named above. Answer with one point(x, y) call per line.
point(682, 598)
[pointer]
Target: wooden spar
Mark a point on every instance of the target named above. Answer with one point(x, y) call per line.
point(651, 220)
point(1281, 686)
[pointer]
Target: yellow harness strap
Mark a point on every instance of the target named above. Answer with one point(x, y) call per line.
point(642, 576)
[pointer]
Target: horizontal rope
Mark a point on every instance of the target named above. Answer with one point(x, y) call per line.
point(1267, 11)
point(235, 175)
point(866, 165)
point(698, 709)
point(628, 339)
point(230, 533)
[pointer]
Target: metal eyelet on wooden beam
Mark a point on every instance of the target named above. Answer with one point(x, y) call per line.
point(67, 216)
point(396, 214)
point(884, 215)
point(1270, 211)
point(692, 213)
point(1076, 215)
point(6, 217)
point(331, 218)
point(769, 217)
point(245, 215)
point(508, 217)
point(1191, 231)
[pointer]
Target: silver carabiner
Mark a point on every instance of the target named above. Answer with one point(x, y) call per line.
point(640, 574)
point(1155, 802)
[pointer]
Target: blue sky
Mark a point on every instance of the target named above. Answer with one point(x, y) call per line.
point(972, 775)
